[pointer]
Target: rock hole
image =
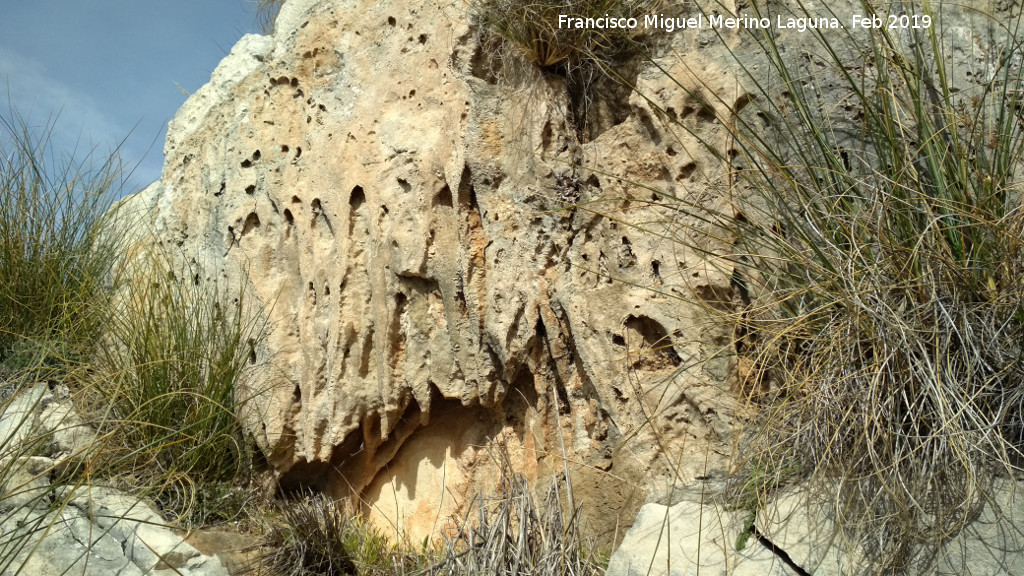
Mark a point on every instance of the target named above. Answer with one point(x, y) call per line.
point(252, 351)
point(256, 155)
point(648, 124)
point(707, 114)
point(686, 171)
point(356, 198)
point(250, 189)
point(406, 187)
point(298, 152)
point(246, 163)
point(284, 148)
point(294, 83)
point(288, 218)
point(392, 21)
point(443, 197)
point(367, 353)
point(742, 102)
point(670, 151)
point(651, 343)
point(296, 200)
point(252, 222)
point(423, 38)
point(466, 192)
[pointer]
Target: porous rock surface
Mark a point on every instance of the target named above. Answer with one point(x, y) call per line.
point(443, 258)
point(396, 210)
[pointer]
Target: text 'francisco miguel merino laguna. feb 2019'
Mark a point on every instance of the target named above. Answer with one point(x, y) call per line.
point(715, 21)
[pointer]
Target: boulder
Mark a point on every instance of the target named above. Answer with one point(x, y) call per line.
point(796, 535)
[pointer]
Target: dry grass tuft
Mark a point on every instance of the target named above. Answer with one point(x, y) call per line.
point(511, 533)
point(881, 278)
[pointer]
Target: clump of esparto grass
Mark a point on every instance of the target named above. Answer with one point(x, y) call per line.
point(317, 536)
point(58, 249)
point(54, 258)
point(533, 29)
point(517, 32)
point(175, 365)
point(876, 263)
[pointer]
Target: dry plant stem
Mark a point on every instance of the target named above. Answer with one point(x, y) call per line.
point(509, 534)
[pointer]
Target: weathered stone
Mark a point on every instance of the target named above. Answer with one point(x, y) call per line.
point(70, 436)
point(691, 539)
point(48, 530)
point(452, 264)
point(96, 532)
point(700, 536)
point(19, 419)
point(428, 289)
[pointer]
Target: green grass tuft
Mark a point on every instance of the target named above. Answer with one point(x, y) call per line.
point(168, 381)
point(54, 259)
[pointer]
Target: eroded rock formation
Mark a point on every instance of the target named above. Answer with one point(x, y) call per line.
point(446, 263)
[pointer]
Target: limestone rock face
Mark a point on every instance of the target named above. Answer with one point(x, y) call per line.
point(402, 218)
point(443, 259)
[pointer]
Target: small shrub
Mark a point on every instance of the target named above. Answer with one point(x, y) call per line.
point(532, 29)
point(316, 536)
point(593, 62)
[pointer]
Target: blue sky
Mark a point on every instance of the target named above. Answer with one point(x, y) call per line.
point(110, 70)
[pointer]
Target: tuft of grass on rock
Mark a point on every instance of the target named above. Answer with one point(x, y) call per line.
point(511, 533)
point(266, 14)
